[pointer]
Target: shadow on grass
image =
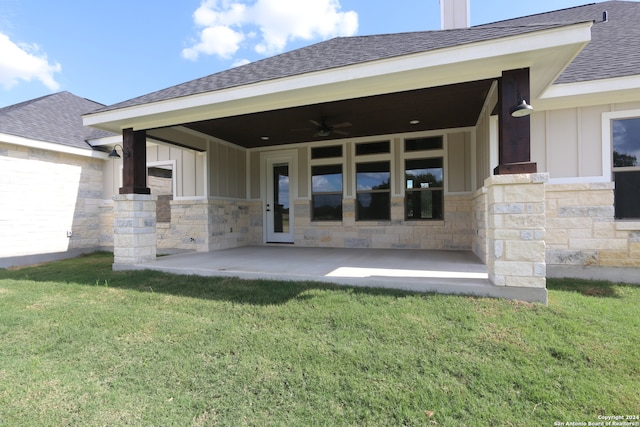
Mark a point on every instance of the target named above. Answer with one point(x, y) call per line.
point(590, 288)
point(95, 270)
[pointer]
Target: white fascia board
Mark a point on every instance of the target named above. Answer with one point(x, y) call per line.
point(50, 146)
point(109, 141)
point(594, 92)
point(486, 59)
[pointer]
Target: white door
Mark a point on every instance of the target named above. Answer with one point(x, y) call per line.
point(279, 212)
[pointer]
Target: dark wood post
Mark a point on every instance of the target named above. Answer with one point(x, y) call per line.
point(514, 132)
point(134, 162)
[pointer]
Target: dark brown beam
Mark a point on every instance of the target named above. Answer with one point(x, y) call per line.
point(514, 132)
point(134, 162)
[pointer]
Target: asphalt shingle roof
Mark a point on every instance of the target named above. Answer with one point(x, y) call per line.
point(334, 53)
point(55, 118)
point(614, 48)
point(613, 51)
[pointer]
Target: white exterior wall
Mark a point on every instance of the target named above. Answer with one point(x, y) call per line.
point(568, 143)
point(44, 195)
point(581, 230)
point(189, 170)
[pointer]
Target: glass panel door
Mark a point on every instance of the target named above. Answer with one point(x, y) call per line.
point(278, 205)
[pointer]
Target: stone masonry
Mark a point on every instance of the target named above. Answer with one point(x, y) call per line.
point(516, 230)
point(134, 229)
point(454, 233)
point(582, 230)
point(211, 224)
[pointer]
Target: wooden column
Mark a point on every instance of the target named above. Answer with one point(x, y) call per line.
point(134, 162)
point(514, 132)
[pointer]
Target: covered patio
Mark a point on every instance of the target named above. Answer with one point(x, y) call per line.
point(451, 272)
point(429, 126)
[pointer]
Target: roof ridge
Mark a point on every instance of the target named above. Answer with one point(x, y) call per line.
point(492, 24)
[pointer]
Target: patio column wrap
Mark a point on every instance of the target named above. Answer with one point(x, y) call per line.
point(134, 229)
point(134, 162)
point(514, 132)
point(516, 230)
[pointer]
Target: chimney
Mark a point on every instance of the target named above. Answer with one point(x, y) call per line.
point(454, 14)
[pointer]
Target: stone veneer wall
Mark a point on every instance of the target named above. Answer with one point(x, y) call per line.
point(45, 195)
point(210, 224)
point(582, 230)
point(454, 233)
point(481, 224)
point(516, 230)
point(134, 229)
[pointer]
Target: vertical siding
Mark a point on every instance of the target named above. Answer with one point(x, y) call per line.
point(349, 173)
point(397, 150)
point(186, 171)
point(227, 171)
point(459, 162)
point(303, 173)
point(590, 153)
point(562, 153)
point(483, 140)
point(254, 175)
point(567, 143)
point(539, 140)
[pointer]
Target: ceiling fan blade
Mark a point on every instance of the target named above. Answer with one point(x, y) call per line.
point(301, 130)
point(342, 125)
point(340, 132)
point(313, 122)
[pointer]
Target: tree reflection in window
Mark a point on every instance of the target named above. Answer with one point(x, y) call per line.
point(373, 194)
point(424, 189)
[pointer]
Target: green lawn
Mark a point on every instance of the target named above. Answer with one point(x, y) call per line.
point(84, 346)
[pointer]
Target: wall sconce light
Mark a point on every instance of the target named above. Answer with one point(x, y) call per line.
point(522, 109)
point(114, 154)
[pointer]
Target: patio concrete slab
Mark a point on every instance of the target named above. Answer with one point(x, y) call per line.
point(459, 272)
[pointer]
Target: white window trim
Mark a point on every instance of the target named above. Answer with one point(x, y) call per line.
point(174, 173)
point(607, 141)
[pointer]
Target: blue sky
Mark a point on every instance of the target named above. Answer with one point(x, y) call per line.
point(111, 51)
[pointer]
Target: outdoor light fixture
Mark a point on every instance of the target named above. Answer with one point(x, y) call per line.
point(522, 109)
point(114, 154)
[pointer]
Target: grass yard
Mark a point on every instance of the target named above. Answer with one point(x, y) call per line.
point(84, 346)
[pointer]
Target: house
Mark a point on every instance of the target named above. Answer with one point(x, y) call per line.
point(51, 192)
point(422, 140)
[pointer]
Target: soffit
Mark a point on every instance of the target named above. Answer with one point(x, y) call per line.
point(447, 87)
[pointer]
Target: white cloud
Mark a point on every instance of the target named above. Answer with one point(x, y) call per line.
point(266, 26)
point(240, 62)
point(217, 40)
point(25, 62)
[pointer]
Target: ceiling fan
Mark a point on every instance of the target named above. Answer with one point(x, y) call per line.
point(323, 129)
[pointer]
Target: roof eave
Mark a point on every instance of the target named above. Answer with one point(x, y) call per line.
point(592, 92)
point(51, 146)
point(546, 52)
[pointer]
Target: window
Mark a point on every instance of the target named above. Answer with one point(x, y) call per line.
point(160, 182)
point(373, 191)
point(421, 144)
point(424, 198)
point(626, 167)
point(326, 152)
point(381, 147)
point(326, 193)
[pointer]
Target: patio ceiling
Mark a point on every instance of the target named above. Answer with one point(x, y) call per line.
point(443, 107)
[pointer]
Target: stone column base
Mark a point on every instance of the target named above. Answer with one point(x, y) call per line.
point(134, 229)
point(516, 230)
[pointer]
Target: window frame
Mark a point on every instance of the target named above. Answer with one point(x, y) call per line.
point(327, 161)
point(427, 154)
point(327, 193)
point(372, 159)
point(608, 129)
